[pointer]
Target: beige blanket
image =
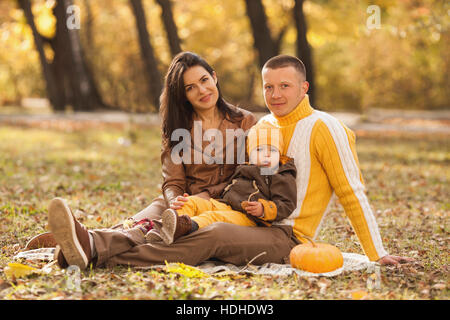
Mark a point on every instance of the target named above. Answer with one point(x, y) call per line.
point(352, 262)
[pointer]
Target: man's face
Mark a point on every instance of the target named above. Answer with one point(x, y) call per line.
point(283, 89)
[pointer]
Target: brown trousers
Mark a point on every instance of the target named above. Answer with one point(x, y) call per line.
point(223, 241)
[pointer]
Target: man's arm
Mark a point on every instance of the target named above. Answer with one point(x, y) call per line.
point(334, 146)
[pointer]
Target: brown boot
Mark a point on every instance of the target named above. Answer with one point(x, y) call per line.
point(153, 236)
point(174, 226)
point(43, 240)
point(59, 257)
point(70, 235)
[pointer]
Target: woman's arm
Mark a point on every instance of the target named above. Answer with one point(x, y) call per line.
point(174, 176)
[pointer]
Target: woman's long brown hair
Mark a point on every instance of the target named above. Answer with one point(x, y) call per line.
point(175, 110)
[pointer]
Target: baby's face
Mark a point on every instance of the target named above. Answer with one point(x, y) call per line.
point(265, 156)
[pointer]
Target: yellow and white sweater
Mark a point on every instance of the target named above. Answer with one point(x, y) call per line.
point(324, 153)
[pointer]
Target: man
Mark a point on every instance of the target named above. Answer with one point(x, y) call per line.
point(325, 156)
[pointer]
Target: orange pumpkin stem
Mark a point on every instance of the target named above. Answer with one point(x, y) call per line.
point(310, 240)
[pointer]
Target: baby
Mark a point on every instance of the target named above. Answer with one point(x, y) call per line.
point(261, 192)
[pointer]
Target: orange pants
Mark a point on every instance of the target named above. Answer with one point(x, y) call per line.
point(205, 212)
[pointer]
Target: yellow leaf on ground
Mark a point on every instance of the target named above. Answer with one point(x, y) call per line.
point(358, 295)
point(18, 270)
point(188, 271)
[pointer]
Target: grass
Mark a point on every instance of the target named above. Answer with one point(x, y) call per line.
point(105, 181)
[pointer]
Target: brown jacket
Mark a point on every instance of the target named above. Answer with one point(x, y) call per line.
point(277, 192)
point(195, 178)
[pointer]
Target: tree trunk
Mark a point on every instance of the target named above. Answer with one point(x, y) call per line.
point(303, 47)
point(84, 94)
point(170, 26)
point(54, 96)
point(89, 24)
point(147, 52)
point(263, 42)
point(69, 80)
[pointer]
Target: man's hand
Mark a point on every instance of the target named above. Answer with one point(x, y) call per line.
point(178, 202)
point(389, 260)
point(254, 208)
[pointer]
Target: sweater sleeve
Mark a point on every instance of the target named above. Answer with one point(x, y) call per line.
point(174, 176)
point(334, 146)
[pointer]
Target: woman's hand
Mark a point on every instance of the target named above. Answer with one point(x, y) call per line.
point(389, 260)
point(179, 201)
point(254, 208)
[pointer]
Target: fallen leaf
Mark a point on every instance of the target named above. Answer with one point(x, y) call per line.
point(358, 295)
point(18, 270)
point(188, 271)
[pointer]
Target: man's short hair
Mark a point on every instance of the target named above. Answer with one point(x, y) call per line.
point(284, 60)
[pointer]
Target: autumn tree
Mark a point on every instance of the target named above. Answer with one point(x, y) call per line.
point(170, 26)
point(303, 48)
point(56, 100)
point(147, 52)
point(69, 80)
point(266, 45)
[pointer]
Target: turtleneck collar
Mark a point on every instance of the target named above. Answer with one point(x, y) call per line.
point(302, 110)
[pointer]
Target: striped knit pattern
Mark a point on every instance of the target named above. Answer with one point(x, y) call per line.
point(324, 152)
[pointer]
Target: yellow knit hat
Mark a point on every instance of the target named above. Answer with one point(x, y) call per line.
point(264, 134)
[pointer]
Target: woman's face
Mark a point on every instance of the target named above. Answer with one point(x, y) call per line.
point(201, 88)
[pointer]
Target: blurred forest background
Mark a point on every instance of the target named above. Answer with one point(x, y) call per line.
point(118, 56)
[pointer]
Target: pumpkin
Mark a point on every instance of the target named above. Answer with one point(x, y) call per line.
point(316, 257)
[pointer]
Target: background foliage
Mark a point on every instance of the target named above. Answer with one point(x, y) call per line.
point(402, 65)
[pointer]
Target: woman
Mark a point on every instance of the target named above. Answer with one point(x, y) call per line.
point(191, 98)
point(191, 95)
point(191, 102)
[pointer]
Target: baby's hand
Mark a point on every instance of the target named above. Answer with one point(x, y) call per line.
point(254, 208)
